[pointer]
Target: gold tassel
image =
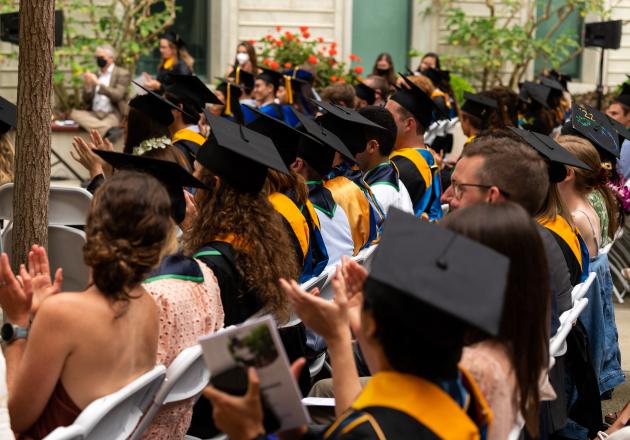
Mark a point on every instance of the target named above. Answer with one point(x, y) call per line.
point(289, 89)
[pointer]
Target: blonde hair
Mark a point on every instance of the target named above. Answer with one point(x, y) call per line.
point(424, 83)
point(7, 156)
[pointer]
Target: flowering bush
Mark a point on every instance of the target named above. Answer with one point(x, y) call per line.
point(286, 50)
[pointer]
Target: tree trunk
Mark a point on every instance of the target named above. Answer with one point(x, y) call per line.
point(32, 160)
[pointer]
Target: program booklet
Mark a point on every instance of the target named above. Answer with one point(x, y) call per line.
point(257, 344)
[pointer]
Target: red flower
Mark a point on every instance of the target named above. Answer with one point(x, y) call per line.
point(342, 80)
point(333, 78)
point(274, 65)
point(332, 61)
point(303, 29)
point(279, 43)
point(333, 44)
point(332, 52)
point(306, 34)
point(252, 42)
point(358, 70)
point(353, 57)
point(320, 39)
point(312, 59)
point(269, 37)
point(278, 28)
point(288, 35)
point(360, 78)
point(266, 62)
point(287, 65)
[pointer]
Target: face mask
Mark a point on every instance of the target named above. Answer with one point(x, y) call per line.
point(242, 58)
point(101, 62)
point(382, 72)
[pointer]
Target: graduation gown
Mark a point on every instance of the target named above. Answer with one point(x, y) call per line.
point(348, 222)
point(274, 110)
point(572, 245)
point(395, 406)
point(304, 229)
point(385, 183)
point(188, 142)
point(420, 174)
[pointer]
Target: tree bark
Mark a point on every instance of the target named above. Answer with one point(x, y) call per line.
point(32, 161)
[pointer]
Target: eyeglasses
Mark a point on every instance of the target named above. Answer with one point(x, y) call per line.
point(458, 188)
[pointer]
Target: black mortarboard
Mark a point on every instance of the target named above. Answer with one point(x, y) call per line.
point(243, 77)
point(418, 103)
point(318, 150)
point(270, 76)
point(366, 93)
point(153, 107)
point(594, 126)
point(239, 155)
point(347, 124)
point(536, 93)
point(192, 90)
point(8, 115)
point(436, 76)
point(232, 93)
point(285, 137)
point(478, 105)
point(622, 131)
point(172, 175)
point(174, 38)
point(158, 112)
point(552, 83)
point(624, 96)
point(453, 274)
point(301, 74)
point(562, 78)
point(555, 154)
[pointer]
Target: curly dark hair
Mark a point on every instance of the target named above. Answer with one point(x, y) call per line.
point(263, 249)
point(127, 227)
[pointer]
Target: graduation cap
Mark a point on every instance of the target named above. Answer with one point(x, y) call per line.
point(239, 155)
point(347, 124)
point(192, 90)
point(436, 76)
point(562, 78)
point(622, 131)
point(555, 154)
point(552, 83)
point(301, 74)
point(170, 174)
point(164, 104)
point(285, 137)
point(232, 94)
point(418, 103)
point(444, 274)
point(243, 77)
point(270, 76)
point(594, 126)
point(535, 93)
point(174, 38)
point(153, 107)
point(293, 87)
point(318, 150)
point(8, 115)
point(479, 105)
point(366, 93)
point(624, 96)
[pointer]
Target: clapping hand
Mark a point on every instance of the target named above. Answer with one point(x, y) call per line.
point(85, 154)
point(354, 276)
point(38, 277)
point(90, 79)
point(14, 299)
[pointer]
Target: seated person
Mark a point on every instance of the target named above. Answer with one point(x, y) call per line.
point(7, 152)
point(265, 88)
point(84, 345)
point(339, 94)
point(104, 94)
point(410, 396)
point(380, 87)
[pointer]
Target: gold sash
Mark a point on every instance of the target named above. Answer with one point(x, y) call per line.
point(287, 209)
point(561, 227)
point(418, 160)
point(188, 135)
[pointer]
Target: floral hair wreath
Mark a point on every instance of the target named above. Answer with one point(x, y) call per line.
point(151, 144)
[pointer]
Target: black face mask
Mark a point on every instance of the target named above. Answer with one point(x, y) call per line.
point(101, 62)
point(382, 72)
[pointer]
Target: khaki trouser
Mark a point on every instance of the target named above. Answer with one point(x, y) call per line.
point(89, 120)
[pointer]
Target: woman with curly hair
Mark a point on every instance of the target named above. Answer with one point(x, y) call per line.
point(7, 155)
point(84, 345)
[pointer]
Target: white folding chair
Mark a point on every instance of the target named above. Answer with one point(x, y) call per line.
point(72, 432)
point(186, 377)
point(66, 205)
point(115, 416)
point(368, 256)
point(557, 344)
point(65, 250)
point(580, 290)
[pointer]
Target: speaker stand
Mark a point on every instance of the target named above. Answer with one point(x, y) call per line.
point(600, 81)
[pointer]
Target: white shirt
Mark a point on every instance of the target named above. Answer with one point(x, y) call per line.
point(386, 196)
point(102, 103)
point(336, 234)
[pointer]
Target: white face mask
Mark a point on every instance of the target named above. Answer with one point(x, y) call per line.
point(242, 58)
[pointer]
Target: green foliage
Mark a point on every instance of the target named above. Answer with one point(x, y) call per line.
point(131, 27)
point(459, 86)
point(501, 41)
point(287, 50)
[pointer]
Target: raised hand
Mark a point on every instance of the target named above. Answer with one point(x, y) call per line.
point(14, 299)
point(38, 278)
point(99, 143)
point(86, 157)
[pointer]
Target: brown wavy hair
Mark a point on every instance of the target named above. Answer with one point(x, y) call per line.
point(7, 156)
point(278, 182)
point(595, 179)
point(263, 249)
point(524, 327)
point(127, 228)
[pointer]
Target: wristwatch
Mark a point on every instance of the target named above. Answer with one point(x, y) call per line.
point(10, 332)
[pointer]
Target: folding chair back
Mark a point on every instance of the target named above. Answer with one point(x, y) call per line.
point(115, 416)
point(580, 290)
point(557, 344)
point(6, 201)
point(186, 377)
point(65, 250)
point(72, 432)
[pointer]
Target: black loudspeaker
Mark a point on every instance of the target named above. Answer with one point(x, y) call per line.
point(604, 34)
point(10, 28)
